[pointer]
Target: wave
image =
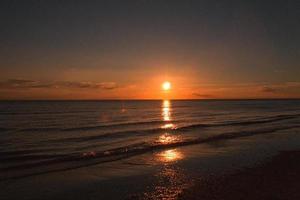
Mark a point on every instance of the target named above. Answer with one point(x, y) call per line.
point(8, 153)
point(83, 128)
point(44, 112)
point(245, 123)
point(128, 133)
point(155, 122)
point(54, 163)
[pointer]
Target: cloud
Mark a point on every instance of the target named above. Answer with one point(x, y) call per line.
point(108, 85)
point(72, 84)
point(277, 88)
point(207, 96)
point(269, 89)
point(20, 83)
point(32, 84)
point(293, 84)
point(90, 85)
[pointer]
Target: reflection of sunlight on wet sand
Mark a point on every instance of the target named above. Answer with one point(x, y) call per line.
point(170, 155)
point(171, 182)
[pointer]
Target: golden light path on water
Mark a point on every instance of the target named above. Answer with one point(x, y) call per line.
point(170, 179)
point(167, 138)
point(166, 110)
point(169, 155)
point(166, 115)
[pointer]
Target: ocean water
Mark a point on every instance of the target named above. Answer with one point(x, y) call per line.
point(39, 137)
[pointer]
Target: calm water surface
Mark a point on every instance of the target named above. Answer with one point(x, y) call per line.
point(39, 137)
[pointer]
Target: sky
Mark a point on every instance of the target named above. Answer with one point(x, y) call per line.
point(122, 49)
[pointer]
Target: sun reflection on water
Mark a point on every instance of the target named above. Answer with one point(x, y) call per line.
point(167, 138)
point(166, 110)
point(166, 115)
point(170, 155)
point(168, 126)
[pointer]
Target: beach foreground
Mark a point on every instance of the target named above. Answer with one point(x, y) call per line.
point(276, 179)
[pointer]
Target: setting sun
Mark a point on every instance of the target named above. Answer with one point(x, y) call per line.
point(166, 86)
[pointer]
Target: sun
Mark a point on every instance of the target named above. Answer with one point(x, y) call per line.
point(166, 86)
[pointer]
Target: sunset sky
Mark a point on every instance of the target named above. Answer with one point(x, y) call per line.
point(127, 49)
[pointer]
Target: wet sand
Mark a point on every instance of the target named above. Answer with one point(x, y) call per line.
point(278, 178)
point(245, 168)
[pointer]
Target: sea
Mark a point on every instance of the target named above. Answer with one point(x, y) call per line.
point(40, 137)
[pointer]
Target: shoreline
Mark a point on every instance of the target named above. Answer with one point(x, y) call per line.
point(278, 178)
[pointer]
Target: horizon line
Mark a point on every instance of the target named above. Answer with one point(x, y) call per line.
point(181, 99)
